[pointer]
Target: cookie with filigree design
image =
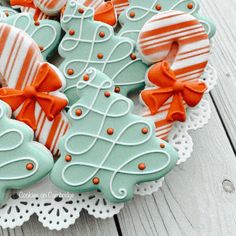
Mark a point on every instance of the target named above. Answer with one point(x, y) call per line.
point(107, 147)
point(23, 162)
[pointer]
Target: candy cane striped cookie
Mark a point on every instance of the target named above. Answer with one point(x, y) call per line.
point(37, 14)
point(120, 5)
point(21, 65)
point(91, 3)
point(28, 6)
point(180, 39)
point(50, 7)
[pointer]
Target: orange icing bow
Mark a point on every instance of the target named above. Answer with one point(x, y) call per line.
point(106, 13)
point(164, 78)
point(27, 3)
point(46, 81)
point(23, 3)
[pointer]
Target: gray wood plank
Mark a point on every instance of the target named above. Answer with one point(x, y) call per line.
point(224, 59)
point(86, 225)
point(193, 199)
point(196, 198)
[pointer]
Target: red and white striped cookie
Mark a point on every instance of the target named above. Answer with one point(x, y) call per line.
point(50, 7)
point(37, 14)
point(21, 64)
point(29, 7)
point(181, 40)
point(91, 3)
point(120, 5)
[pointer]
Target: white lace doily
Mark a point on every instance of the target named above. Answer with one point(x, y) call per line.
point(57, 209)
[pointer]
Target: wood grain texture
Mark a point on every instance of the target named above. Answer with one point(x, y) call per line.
point(192, 200)
point(224, 59)
point(198, 197)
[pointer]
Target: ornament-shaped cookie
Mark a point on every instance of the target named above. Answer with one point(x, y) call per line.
point(107, 147)
point(89, 43)
point(139, 12)
point(23, 162)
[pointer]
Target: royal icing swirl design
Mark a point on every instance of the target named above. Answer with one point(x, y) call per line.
point(139, 11)
point(92, 44)
point(22, 161)
point(6, 12)
point(91, 3)
point(46, 33)
point(129, 150)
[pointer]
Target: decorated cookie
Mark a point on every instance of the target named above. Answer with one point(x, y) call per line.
point(28, 6)
point(108, 148)
point(46, 33)
point(90, 3)
point(120, 5)
point(90, 43)
point(22, 161)
point(106, 13)
point(6, 12)
point(45, 9)
point(178, 44)
point(140, 11)
point(103, 11)
point(50, 7)
point(32, 86)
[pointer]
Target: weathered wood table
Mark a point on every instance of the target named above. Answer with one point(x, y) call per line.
point(198, 197)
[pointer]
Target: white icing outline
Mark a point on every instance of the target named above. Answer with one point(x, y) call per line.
point(31, 173)
point(3, 11)
point(122, 191)
point(89, 14)
point(28, 17)
point(103, 86)
point(17, 145)
point(150, 10)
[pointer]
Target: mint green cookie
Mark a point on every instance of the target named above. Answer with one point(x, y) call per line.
point(6, 12)
point(92, 43)
point(46, 33)
point(140, 11)
point(107, 147)
point(22, 161)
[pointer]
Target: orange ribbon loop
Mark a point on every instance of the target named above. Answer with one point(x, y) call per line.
point(23, 3)
point(169, 87)
point(46, 81)
point(106, 13)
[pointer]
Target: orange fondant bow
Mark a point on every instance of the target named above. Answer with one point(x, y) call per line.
point(23, 3)
point(164, 77)
point(27, 3)
point(106, 13)
point(46, 81)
